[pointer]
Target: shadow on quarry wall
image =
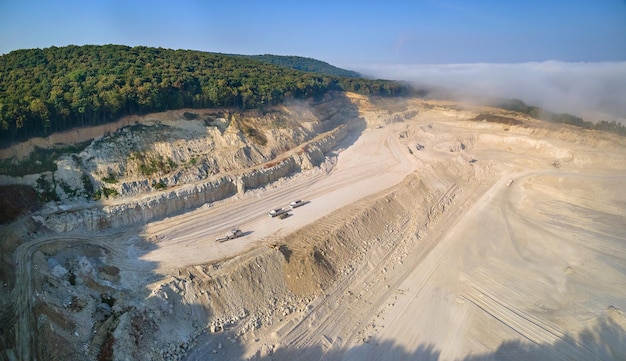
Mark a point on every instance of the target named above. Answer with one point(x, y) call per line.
point(605, 341)
point(69, 298)
point(85, 297)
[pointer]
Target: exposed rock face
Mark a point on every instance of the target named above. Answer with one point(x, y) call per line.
point(138, 210)
point(96, 297)
point(214, 308)
point(153, 205)
point(164, 164)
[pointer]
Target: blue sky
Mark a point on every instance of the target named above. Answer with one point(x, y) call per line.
point(563, 55)
point(344, 33)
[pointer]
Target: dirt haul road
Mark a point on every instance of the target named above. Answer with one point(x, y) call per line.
point(446, 239)
point(374, 162)
point(526, 261)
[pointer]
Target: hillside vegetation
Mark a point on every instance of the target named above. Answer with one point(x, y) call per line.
point(562, 118)
point(306, 64)
point(58, 88)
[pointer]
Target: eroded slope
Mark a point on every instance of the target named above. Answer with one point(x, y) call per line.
point(433, 235)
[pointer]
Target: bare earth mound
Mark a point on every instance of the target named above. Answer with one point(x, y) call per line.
point(432, 232)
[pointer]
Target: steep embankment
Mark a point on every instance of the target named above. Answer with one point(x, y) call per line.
point(149, 204)
point(166, 163)
point(223, 307)
point(337, 286)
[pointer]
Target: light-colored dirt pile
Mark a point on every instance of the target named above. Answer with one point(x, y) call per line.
point(221, 307)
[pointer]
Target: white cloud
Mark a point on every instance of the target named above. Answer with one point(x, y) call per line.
point(592, 90)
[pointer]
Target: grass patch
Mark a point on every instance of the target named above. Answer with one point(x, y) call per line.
point(87, 186)
point(109, 179)
point(109, 192)
point(255, 135)
point(159, 185)
point(67, 189)
point(45, 190)
point(149, 166)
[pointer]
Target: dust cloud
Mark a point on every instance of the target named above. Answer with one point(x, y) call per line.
point(594, 91)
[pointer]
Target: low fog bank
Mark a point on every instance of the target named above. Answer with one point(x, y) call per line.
point(593, 91)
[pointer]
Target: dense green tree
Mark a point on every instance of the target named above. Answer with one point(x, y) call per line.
point(54, 89)
point(306, 64)
point(563, 118)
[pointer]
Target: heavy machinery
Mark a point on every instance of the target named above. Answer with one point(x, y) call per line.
point(298, 203)
point(234, 233)
point(277, 212)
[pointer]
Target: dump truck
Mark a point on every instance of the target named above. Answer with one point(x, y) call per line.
point(277, 212)
point(234, 233)
point(297, 203)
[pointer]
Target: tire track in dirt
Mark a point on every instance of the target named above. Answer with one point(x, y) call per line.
point(361, 310)
point(250, 213)
point(525, 324)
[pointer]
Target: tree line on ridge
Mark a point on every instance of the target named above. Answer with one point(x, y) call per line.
point(58, 88)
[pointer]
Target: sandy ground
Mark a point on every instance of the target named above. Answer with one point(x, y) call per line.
point(532, 268)
point(525, 261)
point(523, 265)
point(374, 162)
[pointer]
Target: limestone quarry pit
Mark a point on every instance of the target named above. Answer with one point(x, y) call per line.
point(430, 232)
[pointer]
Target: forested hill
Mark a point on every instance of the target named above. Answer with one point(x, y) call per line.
point(306, 64)
point(58, 88)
